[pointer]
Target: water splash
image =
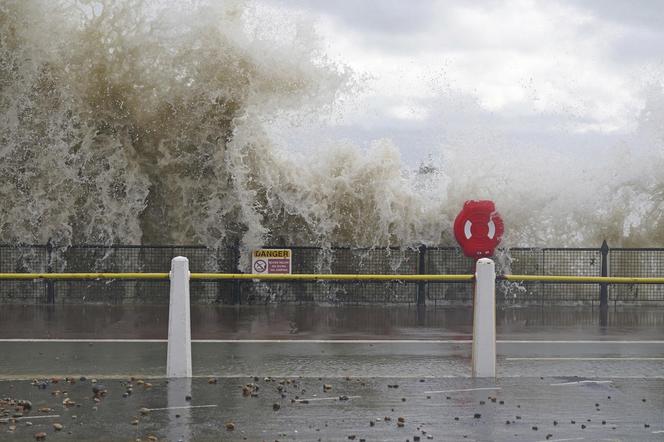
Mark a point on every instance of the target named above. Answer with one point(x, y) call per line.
point(138, 122)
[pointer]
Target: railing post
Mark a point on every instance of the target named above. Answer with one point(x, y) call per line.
point(603, 287)
point(484, 319)
point(421, 269)
point(178, 359)
point(50, 284)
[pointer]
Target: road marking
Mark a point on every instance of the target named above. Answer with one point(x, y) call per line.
point(335, 341)
point(585, 359)
point(562, 440)
point(580, 382)
point(103, 341)
point(581, 341)
point(186, 407)
point(50, 416)
point(463, 389)
point(325, 399)
point(658, 432)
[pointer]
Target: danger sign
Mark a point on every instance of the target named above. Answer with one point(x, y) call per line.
point(269, 261)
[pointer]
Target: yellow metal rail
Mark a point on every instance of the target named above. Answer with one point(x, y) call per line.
point(234, 276)
point(587, 279)
point(83, 275)
point(334, 277)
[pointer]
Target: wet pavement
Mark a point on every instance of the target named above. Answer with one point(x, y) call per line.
point(340, 409)
point(25, 360)
point(597, 379)
point(324, 322)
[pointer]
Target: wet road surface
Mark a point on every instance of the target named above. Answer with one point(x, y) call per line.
point(528, 409)
point(554, 364)
point(324, 322)
point(23, 360)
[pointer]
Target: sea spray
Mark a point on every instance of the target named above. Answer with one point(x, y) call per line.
point(144, 122)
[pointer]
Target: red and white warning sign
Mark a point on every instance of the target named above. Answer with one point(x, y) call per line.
point(271, 261)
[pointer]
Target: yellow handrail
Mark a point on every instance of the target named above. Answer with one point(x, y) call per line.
point(588, 279)
point(336, 277)
point(332, 277)
point(233, 276)
point(83, 275)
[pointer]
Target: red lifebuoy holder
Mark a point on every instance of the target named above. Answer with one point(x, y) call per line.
point(478, 228)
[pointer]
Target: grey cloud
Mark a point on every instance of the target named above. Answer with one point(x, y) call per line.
point(384, 16)
point(642, 13)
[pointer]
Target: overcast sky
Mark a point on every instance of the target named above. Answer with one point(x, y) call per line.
point(568, 75)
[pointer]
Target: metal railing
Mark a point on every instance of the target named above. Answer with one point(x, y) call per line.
point(590, 267)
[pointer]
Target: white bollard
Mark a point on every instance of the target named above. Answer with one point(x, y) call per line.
point(178, 359)
point(484, 319)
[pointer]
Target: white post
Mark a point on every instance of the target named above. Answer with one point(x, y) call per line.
point(178, 359)
point(484, 319)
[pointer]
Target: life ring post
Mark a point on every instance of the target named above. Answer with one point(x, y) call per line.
point(484, 319)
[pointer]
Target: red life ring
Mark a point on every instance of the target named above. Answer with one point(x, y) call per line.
point(478, 228)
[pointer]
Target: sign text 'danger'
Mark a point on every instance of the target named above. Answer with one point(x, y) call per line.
point(271, 261)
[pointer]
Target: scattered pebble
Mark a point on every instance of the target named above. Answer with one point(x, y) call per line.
point(58, 426)
point(40, 436)
point(230, 426)
point(276, 406)
point(534, 427)
point(99, 389)
point(477, 415)
point(212, 381)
